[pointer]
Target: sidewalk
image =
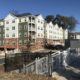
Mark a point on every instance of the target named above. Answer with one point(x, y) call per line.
point(56, 76)
point(75, 70)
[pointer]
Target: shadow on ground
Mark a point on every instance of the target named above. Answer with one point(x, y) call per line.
point(69, 74)
point(75, 63)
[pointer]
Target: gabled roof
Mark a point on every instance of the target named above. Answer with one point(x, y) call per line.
point(37, 14)
point(19, 15)
point(23, 14)
point(1, 19)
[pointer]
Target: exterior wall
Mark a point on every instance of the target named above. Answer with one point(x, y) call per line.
point(66, 34)
point(8, 26)
point(54, 34)
point(11, 32)
point(10, 43)
point(78, 36)
point(21, 30)
point(1, 33)
point(23, 33)
point(58, 42)
point(23, 19)
point(75, 44)
point(32, 29)
point(60, 33)
point(49, 30)
point(39, 43)
point(39, 27)
point(74, 35)
point(27, 33)
point(1, 23)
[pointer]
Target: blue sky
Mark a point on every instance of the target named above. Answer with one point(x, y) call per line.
point(44, 7)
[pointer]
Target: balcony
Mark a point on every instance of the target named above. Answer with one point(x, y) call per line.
point(33, 36)
point(31, 19)
point(31, 29)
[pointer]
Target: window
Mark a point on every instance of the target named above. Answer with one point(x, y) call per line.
point(30, 19)
point(33, 18)
point(38, 21)
point(38, 34)
point(25, 34)
point(25, 19)
point(13, 28)
point(38, 27)
point(0, 42)
point(7, 22)
point(33, 25)
point(3, 35)
point(0, 29)
point(13, 21)
point(7, 35)
point(13, 35)
point(7, 28)
point(20, 41)
point(25, 27)
point(3, 29)
point(19, 34)
point(0, 35)
point(19, 20)
point(33, 40)
point(13, 43)
point(50, 26)
point(50, 31)
point(41, 22)
point(25, 41)
point(30, 25)
point(41, 28)
point(20, 27)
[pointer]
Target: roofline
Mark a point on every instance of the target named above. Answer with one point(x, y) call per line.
point(74, 32)
point(1, 19)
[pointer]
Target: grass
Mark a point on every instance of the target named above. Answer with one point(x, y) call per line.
point(21, 76)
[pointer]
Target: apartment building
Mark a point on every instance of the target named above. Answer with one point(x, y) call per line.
point(1, 34)
point(21, 32)
point(75, 41)
point(55, 34)
point(23, 28)
point(40, 22)
point(74, 35)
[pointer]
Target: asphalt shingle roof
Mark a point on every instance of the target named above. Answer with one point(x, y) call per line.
point(23, 14)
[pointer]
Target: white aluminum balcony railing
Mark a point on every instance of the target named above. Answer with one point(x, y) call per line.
point(32, 29)
point(32, 21)
point(33, 36)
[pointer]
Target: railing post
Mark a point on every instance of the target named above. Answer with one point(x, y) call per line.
point(5, 62)
point(50, 64)
point(60, 59)
point(36, 65)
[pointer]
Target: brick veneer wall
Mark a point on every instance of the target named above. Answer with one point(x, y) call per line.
point(39, 44)
point(9, 43)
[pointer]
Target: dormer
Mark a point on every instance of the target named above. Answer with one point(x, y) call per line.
point(39, 18)
point(10, 17)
